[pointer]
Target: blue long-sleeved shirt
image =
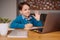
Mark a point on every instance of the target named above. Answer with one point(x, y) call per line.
point(20, 22)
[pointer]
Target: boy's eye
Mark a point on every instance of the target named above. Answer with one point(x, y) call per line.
point(25, 9)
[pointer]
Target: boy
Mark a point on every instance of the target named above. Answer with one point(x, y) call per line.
point(25, 20)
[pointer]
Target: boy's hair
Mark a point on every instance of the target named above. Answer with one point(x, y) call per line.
point(21, 5)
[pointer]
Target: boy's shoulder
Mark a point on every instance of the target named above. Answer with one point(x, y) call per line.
point(19, 17)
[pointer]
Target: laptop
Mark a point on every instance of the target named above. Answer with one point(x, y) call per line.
point(52, 23)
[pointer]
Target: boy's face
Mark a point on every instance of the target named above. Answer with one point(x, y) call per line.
point(25, 10)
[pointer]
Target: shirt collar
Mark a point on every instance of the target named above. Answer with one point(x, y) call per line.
point(26, 18)
point(23, 17)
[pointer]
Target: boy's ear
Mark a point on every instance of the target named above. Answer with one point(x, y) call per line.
point(20, 11)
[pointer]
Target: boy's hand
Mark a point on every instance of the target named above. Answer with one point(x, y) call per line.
point(37, 15)
point(28, 26)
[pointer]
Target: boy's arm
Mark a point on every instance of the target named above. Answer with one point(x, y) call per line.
point(16, 23)
point(36, 22)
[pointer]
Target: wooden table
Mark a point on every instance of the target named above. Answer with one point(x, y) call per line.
point(37, 36)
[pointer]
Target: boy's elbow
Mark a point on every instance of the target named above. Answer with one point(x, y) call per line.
point(11, 26)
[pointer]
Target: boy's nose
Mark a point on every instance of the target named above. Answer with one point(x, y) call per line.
point(28, 12)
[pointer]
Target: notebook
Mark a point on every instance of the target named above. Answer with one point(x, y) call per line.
point(18, 34)
point(35, 27)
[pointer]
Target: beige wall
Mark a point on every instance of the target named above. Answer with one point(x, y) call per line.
point(8, 8)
